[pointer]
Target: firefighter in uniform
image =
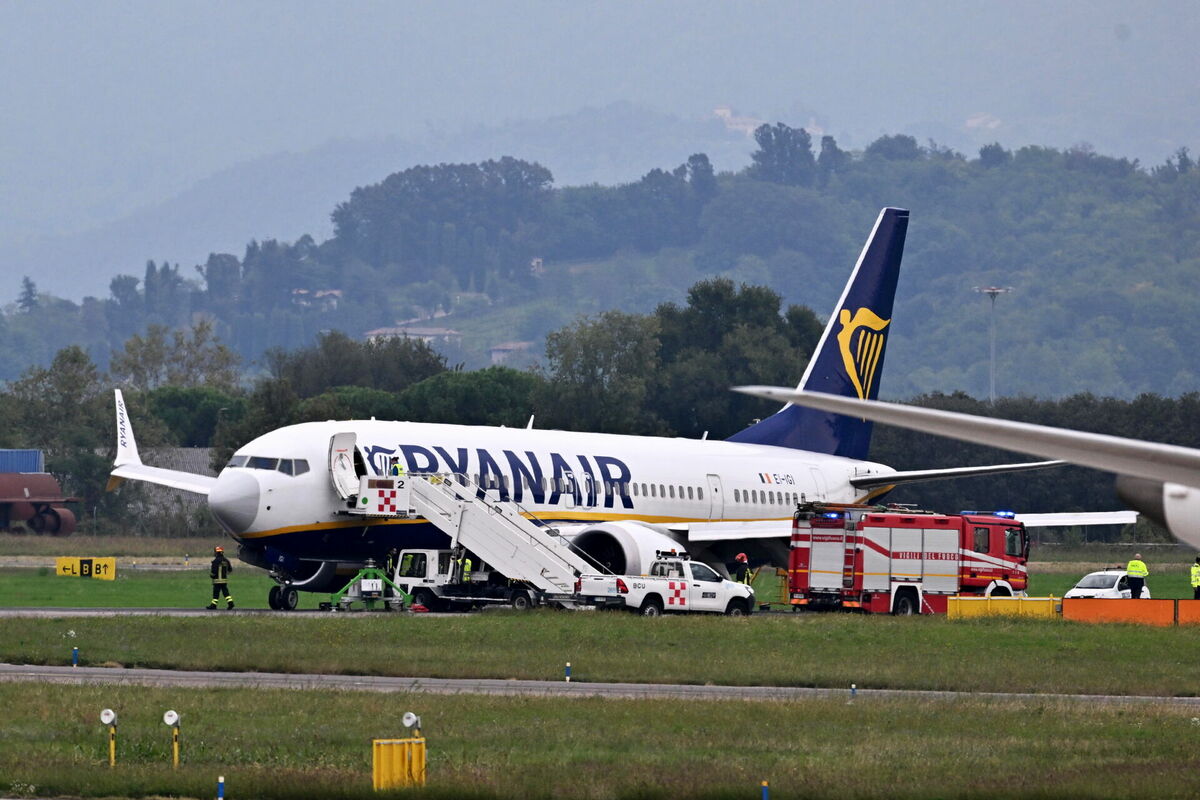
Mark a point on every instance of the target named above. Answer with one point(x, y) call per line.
point(219, 572)
point(1196, 579)
point(741, 569)
point(1137, 571)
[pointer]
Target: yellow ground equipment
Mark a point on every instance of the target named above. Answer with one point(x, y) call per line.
point(965, 607)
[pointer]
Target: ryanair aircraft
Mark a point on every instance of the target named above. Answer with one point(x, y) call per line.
point(620, 498)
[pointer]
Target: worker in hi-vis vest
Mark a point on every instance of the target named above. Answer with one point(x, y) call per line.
point(1137, 571)
point(741, 569)
point(1196, 579)
point(219, 572)
point(395, 470)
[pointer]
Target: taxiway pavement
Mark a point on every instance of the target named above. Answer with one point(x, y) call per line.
point(368, 683)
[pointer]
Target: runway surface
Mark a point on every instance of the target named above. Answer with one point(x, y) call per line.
point(270, 680)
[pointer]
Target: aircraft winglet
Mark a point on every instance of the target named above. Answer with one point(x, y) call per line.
point(127, 452)
point(128, 464)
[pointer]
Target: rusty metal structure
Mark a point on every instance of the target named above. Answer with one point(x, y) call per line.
point(35, 501)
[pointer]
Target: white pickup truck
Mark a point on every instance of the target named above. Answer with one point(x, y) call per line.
point(674, 584)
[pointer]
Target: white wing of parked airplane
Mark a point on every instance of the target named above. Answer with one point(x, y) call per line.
point(1067, 519)
point(1172, 471)
point(128, 464)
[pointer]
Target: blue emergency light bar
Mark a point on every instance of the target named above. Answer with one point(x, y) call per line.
point(832, 515)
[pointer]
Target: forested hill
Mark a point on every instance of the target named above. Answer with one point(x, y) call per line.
point(1102, 255)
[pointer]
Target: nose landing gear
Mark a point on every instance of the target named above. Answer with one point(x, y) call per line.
point(283, 598)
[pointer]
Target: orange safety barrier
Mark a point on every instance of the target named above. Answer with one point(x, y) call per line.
point(1143, 612)
point(1189, 612)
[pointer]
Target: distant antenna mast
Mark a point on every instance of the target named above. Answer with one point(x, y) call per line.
point(993, 292)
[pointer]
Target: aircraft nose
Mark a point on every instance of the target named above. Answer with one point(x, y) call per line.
point(233, 500)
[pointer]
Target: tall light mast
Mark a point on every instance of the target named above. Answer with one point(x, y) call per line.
point(993, 292)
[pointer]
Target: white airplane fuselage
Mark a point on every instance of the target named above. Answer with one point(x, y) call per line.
point(558, 476)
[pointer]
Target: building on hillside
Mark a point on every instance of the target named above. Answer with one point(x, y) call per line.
point(428, 335)
point(502, 352)
point(321, 299)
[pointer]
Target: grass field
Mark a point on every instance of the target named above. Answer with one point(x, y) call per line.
point(828, 650)
point(293, 744)
point(136, 589)
point(134, 546)
point(148, 588)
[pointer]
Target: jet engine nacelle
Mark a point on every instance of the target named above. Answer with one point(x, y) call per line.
point(1172, 505)
point(625, 548)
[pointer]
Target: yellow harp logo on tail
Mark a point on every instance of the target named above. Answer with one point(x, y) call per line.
point(861, 342)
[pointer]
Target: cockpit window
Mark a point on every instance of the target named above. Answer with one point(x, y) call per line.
point(288, 466)
point(293, 466)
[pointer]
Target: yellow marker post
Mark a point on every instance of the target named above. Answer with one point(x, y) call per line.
point(109, 717)
point(171, 719)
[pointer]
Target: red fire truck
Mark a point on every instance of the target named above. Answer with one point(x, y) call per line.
point(898, 560)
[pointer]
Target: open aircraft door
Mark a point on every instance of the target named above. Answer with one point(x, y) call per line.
point(341, 464)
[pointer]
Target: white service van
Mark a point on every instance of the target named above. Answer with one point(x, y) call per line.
point(1112, 584)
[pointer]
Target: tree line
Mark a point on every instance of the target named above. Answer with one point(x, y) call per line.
point(663, 373)
point(1102, 253)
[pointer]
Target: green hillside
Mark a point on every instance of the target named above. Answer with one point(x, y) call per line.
point(1101, 254)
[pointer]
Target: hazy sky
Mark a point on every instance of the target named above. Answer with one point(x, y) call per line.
point(107, 106)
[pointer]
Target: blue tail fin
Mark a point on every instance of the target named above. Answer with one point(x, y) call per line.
point(849, 357)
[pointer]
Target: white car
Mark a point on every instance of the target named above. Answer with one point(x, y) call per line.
point(1110, 583)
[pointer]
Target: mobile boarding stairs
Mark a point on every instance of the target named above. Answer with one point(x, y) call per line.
point(497, 532)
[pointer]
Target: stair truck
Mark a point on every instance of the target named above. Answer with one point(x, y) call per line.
point(899, 560)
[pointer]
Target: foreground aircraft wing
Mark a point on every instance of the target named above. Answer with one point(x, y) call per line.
point(1163, 462)
point(128, 464)
point(1160, 480)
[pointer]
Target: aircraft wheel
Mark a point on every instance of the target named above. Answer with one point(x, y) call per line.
point(273, 597)
point(289, 598)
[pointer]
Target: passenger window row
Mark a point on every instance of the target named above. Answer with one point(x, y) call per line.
point(764, 497)
point(668, 491)
point(550, 485)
